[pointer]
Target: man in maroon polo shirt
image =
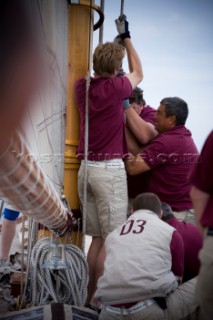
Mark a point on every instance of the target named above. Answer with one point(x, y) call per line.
point(138, 184)
point(107, 147)
point(192, 241)
point(138, 103)
point(201, 193)
point(169, 157)
point(143, 267)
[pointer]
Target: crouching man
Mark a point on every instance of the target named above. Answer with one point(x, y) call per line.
point(144, 267)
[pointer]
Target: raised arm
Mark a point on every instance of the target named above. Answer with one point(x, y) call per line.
point(135, 67)
point(136, 73)
point(143, 131)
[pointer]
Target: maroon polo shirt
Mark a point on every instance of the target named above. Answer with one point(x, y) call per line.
point(202, 178)
point(106, 118)
point(170, 157)
point(193, 242)
point(147, 114)
point(139, 183)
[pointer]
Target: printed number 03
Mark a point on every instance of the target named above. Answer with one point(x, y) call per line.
point(133, 226)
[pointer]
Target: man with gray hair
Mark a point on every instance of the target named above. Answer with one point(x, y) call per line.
point(169, 157)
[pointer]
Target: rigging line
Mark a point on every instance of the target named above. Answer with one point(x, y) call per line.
point(1, 207)
point(122, 9)
point(90, 24)
point(36, 139)
point(101, 31)
point(51, 144)
point(86, 138)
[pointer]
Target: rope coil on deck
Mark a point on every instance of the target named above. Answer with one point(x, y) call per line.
point(62, 286)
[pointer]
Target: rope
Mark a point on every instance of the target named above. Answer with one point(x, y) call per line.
point(101, 31)
point(32, 239)
point(122, 9)
point(61, 286)
point(86, 140)
point(22, 263)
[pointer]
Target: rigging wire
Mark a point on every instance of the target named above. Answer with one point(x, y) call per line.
point(122, 9)
point(101, 31)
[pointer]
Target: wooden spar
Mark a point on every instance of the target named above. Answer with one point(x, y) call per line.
point(80, 30)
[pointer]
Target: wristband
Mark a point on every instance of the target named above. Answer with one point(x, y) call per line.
point(125, 35)
point(126, 104)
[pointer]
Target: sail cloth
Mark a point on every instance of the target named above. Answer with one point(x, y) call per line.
point(25, 186)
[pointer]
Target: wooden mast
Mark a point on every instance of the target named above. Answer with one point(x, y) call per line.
point(80, 30)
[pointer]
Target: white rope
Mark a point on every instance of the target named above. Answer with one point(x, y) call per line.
point(22, 264)
point(32, 239)
point(62, 286)
point(86, 144)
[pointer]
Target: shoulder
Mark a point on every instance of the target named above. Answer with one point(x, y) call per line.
point(149, 109)
point(118, 86)
point(120, 82)
point(147, 114)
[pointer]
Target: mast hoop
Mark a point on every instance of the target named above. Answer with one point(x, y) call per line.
point(94, 7)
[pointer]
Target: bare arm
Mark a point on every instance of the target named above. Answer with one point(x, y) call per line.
point(136, 73)
point(199, 200)
point(143, 131)
point(134, 146)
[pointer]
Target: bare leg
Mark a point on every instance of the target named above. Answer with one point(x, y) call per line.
point(95, 264)
point(8, 233)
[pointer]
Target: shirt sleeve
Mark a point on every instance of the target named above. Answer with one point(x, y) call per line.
point(121, 87)
point(177, 252)
point(154, 155)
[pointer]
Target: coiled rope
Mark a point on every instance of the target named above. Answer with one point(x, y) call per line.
point(61, 286)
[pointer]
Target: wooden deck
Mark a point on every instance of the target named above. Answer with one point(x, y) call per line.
point(52, 312)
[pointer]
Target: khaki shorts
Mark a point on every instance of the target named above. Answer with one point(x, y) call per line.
point(106, 199)
point(186, 216)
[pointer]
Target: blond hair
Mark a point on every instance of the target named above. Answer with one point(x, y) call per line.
point(107, 58)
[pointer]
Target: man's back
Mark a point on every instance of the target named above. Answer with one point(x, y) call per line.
point(139, 260)
point(106, 118)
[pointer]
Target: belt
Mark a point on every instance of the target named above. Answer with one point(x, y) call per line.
point(209, 232)
point(135, 308)
point(112, 164)
point(125, 305)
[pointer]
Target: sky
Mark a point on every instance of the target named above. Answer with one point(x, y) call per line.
point(174, 41)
